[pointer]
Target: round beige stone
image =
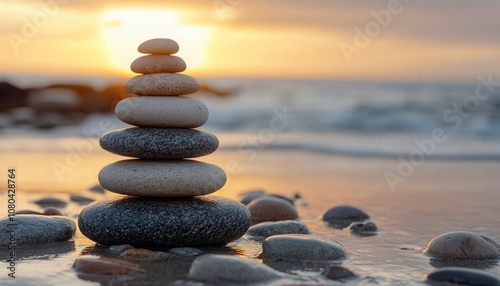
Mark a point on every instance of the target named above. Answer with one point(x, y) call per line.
point(162, 111)
point(463, 245)
point(162, 84)
point(268, 208)
point(159, 46)
point(158, 64)
point(161, 178)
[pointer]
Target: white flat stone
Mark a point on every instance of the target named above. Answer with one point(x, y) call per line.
point(159, 46)
point(158, 64)
point(162, 84)
point(175, 178)
point(162, 111)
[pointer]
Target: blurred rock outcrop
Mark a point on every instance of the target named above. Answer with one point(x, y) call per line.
point(62, 104)
point(11, 96)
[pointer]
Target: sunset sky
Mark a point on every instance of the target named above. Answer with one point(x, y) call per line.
point(425, 40)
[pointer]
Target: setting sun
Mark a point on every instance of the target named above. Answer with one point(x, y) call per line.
point(123, 28)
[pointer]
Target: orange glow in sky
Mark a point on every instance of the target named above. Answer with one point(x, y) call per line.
point(123, 29)
point(256, 38)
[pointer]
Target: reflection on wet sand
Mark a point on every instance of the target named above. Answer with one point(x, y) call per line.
point(41, 251)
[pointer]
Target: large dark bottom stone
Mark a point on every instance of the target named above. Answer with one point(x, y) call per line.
point(164, 222)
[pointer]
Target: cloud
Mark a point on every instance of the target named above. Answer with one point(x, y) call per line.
point(425, 20)
point(446, 38)
point(451, 21)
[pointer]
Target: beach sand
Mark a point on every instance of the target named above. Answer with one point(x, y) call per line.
point(440, 196)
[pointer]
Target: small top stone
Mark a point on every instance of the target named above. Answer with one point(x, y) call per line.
point(159, 46)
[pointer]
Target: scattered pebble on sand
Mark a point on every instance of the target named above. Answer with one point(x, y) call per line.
point(50, 202)
point(53, 211)
point(464, 245)
point(270, 208)
point(295, 247)
point(46, 211)
point(248, 197)
point(83, 200)
point(212, 268)
point(290, 200)
point(363, 228)
point(266, 229)
point(336, 272)
point(31, 229)
point(342, 216)
point(464, 276)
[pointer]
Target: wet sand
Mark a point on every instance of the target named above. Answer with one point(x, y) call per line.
point(440, 196)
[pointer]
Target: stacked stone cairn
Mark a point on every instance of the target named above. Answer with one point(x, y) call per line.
point(167, 202)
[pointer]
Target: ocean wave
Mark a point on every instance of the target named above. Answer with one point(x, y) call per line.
point(339, 118)
point(357, 107)
point(484, 155)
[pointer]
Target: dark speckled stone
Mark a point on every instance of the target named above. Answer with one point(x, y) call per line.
point(342, 216)
point(164, 222)
point(159, 143)
point(464, 276)
point(31, 229)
